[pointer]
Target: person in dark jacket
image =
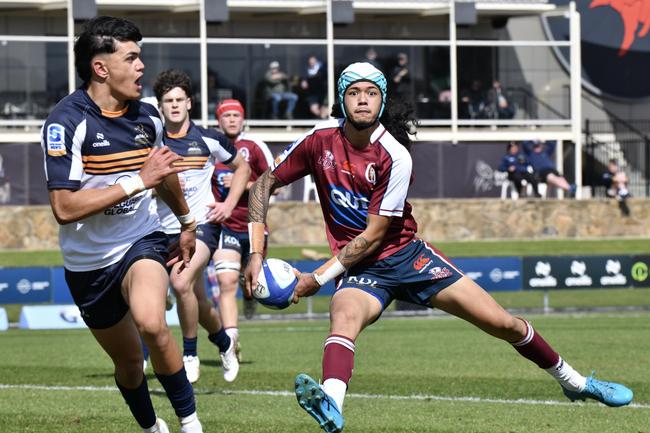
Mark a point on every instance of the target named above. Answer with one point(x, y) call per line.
point(540, 155)
point(516, 164)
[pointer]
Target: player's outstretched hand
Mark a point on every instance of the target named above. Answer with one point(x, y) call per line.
point(250, 274)
point(219, 212)
point(159, 164)
point(307, 285)
point(183, 250)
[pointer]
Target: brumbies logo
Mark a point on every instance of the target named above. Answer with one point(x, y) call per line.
point(193, 148)
point(615, 45)
point(632, 14)
point(142, 137)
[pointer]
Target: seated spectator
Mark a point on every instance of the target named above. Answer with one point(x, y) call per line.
point(515, 163)
point(615, 181)
point(498, 106)
point(277, 90)
point(473, 101)
point(540, 155)
point(315, 87)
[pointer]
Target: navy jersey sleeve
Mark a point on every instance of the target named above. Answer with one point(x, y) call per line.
point(154, 115)
point(221, 147)
point(62, 138)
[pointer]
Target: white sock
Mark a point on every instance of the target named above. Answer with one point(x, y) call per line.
point(152, 429)
point(233, 333)
point(188, 419)
point(336, 389)
point(191, 424)
point(567, 376)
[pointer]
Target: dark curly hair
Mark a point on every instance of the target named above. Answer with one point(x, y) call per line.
point(170, 78)
point(398, 119)
point(98, 37)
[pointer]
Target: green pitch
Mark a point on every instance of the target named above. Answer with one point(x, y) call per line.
point(411, 375)
point(451, 249)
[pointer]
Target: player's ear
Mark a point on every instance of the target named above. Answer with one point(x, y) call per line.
point(99, 67)
point(189, 103)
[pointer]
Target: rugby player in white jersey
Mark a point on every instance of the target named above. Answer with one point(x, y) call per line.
point(103, 154)
point(200, 149)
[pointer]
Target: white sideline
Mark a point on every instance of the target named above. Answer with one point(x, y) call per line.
point(415, 397)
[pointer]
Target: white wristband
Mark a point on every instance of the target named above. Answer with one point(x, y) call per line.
point(132, 185)
point(185, 219)
point(330, 273)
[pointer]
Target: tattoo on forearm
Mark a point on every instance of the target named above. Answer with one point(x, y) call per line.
point(354, 251)
point(258, 197)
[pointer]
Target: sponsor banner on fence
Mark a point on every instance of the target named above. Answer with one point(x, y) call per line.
point(25, 285)
point(493, 273)
point(64, 317)
point(50, 317)
point(576, 272)
point(639, 273)
point(60, 291)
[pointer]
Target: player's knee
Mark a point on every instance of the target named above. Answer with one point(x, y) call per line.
point(182, 286)
point(155, 333)
point(345, 320)
point(228, 284)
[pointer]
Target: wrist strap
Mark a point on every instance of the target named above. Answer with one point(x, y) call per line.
point(132, 185)
point(256, 237)
point(188, 222)
point(333, 269)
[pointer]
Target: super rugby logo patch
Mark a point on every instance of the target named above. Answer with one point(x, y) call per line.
point(55, 139)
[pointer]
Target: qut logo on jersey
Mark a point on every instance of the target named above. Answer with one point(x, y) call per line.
point(348, 199)
point(348, 208)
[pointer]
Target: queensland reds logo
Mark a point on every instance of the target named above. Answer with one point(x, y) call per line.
point(371, 176)
point(615, 45)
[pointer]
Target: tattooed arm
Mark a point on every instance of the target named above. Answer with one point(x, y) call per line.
point(258, 196)
point(358, 248)
point(258, 206)
point(366, 243)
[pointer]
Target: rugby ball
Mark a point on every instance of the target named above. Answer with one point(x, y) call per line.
point(276, 283)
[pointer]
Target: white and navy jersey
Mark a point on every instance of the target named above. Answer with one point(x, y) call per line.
point(87, 148)
point(352, 183)
point(200, 148)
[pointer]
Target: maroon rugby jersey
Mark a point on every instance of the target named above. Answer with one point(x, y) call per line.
point(258, 156)
point(352, 183)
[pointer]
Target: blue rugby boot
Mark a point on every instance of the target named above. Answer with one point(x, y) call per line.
point(609, 393)
point(318, 404)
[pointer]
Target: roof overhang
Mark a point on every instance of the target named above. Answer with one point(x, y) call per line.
point(302, 7)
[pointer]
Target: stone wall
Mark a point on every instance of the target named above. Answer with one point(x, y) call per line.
point(34, 227)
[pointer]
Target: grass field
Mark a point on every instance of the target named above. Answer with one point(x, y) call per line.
point(416, 375)
point(451, 249)
point(411, 375)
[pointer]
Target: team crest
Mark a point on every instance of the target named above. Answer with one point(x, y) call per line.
point(245, 153)
point(193, 148)
point(327, 160)
point(55, 139)
point(142, 137)
point(371, 176)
